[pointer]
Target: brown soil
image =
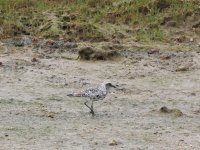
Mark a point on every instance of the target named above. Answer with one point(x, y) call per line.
point(89, 53)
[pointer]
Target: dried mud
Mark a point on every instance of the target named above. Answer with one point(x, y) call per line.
point(37, 114)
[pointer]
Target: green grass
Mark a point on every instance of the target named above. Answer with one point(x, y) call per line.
point(90, 14)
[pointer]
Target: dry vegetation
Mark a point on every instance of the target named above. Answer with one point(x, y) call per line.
point(100, 20)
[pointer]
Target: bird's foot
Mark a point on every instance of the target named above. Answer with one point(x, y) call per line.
point(92, 112)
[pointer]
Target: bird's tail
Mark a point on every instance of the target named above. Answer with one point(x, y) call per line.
point(74, 95)
point(70, 95)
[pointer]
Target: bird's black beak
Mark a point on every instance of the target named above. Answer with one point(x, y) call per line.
point(113, 86)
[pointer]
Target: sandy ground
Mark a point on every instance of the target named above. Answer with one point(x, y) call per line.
point(37, 114)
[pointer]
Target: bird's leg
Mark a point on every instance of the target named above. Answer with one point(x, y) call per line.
point(91, 108)
point(88, 106)
point(92, 111)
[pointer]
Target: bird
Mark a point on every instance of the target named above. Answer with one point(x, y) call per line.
point(94, 94)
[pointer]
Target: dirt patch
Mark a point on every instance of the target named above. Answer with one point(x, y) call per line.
point(88, 53)
point(174, 112)
point(162, 4)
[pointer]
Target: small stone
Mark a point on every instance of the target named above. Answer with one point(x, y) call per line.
point(175, 112)
point(113, 143)
point(183, 68)
point(191, 40)
point(50, 115)
point(164, 109)
point(34, 59)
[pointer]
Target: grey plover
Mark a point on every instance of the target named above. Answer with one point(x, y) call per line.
point(94, 94)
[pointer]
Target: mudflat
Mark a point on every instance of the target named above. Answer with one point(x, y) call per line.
point(155, 105)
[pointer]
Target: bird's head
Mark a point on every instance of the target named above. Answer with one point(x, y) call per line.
point(108, 85)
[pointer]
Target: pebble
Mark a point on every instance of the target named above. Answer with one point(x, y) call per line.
point(113, 143)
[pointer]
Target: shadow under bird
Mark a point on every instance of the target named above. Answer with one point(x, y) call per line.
point(94, 94)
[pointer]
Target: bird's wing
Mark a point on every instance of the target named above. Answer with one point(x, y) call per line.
point(93, 92)
point(90, 92)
